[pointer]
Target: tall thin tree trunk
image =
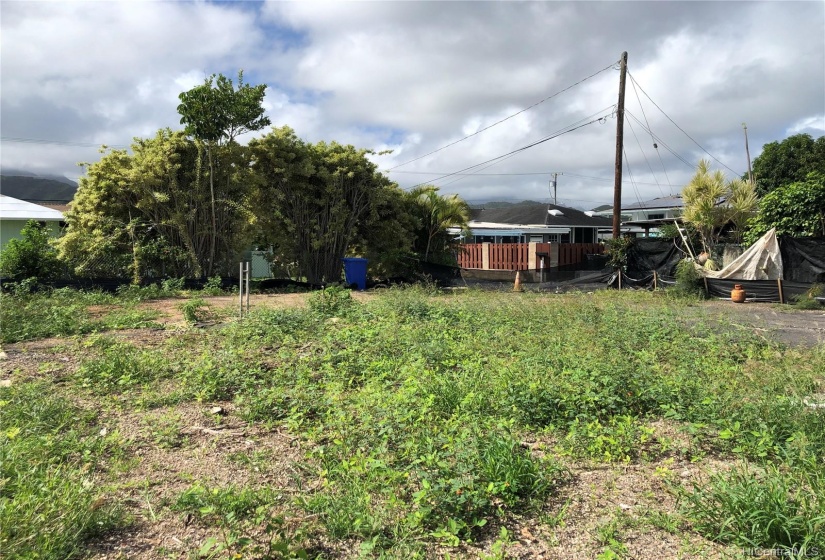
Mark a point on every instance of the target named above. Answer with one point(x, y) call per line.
point(214, 226)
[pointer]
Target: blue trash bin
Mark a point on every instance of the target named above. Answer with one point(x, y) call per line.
point(355, 272)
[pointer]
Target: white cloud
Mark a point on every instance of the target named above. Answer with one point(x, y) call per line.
point(414, 76)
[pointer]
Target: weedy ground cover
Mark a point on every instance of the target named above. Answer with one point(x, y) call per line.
point(415, 412)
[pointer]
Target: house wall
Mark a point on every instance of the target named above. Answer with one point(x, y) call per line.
point(10, 229)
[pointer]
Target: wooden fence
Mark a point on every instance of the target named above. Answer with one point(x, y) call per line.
point(524, 256)
point(508, 256)
point(574, 253)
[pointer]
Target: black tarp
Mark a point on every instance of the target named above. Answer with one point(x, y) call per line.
point(803, 258)
point(648, 254)
point(758, 290)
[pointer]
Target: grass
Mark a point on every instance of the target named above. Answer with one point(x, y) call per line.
point(50, 504)
point(412, 409)
point(65, 312)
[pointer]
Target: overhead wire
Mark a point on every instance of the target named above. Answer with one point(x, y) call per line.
point(612, 65)
point(463, 176)
point(563, 131)
point(720, 162)
point(632, 182)
point(645, 157)
point(655, 145)
point(59, 142)
point(659, 139)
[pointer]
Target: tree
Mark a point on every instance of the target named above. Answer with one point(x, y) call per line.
point(315, 201)
point(31, 256)
point(216, 112)
point(796, 209)
point(437, 214)
point(148, 214)
point(711, 203)
point(788, 161)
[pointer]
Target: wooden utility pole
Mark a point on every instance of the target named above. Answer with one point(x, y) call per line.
point(617, 188)
point(555, 187)
point(748, 152)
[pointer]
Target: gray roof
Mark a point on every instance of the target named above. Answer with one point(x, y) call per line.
point(662, 202)
point(538, 214)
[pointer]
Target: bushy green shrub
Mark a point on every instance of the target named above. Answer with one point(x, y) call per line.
point(331, 301)
point(688, 280)
point(617, 252)
point(31, 256)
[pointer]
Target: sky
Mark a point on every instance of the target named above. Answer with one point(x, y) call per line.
point(414, 77)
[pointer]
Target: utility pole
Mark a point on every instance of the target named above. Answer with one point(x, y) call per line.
point(555, 187)
point(747, 151)
point(617, 186)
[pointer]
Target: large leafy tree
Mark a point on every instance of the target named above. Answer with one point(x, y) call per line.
point(711, 203)
point(147, 213)
point(216, 113)
point(796, 209)
point(788, 161)
point(315, 202)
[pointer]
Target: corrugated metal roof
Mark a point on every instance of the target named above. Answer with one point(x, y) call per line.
point(14, 209)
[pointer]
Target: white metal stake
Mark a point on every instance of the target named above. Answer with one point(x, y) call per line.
point(240, 287)
point(248, 267)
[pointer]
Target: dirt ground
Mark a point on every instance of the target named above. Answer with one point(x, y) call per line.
point(173, 448)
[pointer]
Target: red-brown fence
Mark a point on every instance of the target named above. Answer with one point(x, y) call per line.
point(574, 253)
point(515, 256)
point(508, 256)
point(470, 255)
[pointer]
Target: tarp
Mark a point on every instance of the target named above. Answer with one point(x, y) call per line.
point(758, 290)
point(761, 261)
point(804, 258)
point(648, 254)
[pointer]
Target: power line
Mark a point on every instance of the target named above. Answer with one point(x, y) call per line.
point(59, 143)
point(655, 146)
point(644, 155)
point(561, 130)
point(504, 119)
point(632, 182)
point(659, 140)
point(523, 148)
point(527, 147)
point(535, 173)
point(683, 132)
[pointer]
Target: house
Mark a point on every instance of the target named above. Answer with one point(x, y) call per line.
point(15, 213)
point(644, 218)
point(535, 222)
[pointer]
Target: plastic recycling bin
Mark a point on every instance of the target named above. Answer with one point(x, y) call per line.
point(355, 272)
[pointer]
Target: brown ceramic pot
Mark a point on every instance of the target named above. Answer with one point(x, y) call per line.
point(737, 294)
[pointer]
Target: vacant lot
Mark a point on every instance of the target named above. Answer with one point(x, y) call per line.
point(410, 423)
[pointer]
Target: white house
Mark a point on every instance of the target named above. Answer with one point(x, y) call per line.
point(535, 222)
point(15, 213)
point(643, 218)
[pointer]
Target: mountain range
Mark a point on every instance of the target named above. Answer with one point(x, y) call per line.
point(32, 187)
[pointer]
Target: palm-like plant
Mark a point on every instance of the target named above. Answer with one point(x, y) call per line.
point(711, 202)
point(438, 213)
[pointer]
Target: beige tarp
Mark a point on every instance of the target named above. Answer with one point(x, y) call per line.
point(761, 261)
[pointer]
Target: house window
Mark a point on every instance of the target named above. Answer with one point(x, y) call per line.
point(655, 216)
point(554, 238)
